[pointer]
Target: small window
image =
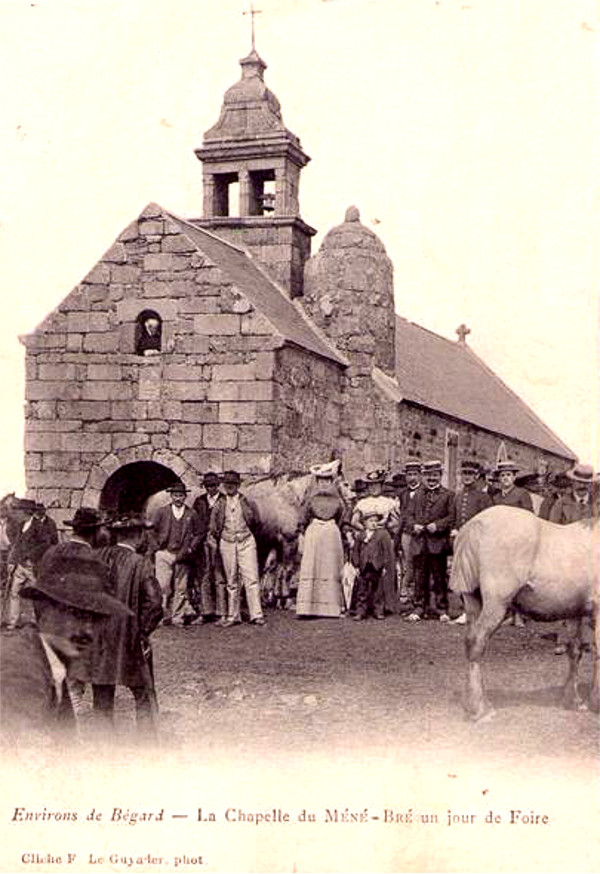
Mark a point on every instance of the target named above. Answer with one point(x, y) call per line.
point(148, 333)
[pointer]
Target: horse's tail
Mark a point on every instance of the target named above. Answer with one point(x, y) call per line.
point(464, 578)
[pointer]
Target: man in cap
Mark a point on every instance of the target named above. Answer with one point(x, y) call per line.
point(577, 503)
point(470, 499)
point(430, 520)
point(36, 534)
point(68, 600)
point(175, 530)
point(509, 494)
point(233, 523)
point(122, 654)
point(412, 476)
point(211, 590)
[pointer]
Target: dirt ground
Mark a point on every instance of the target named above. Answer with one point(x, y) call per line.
point(334, 685)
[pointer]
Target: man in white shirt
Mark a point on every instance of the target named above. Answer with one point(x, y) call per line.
point(233, 522)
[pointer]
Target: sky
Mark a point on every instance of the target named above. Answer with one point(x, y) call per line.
point(466, 131)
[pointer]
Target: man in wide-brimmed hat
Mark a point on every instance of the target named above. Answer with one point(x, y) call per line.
point(233, 523)
point(509, 494)
point(430, 520)
point(577, 503)
point(209, 577)
point(68, 600)
point(175, 531)
point(36, 534)
point(122, 655)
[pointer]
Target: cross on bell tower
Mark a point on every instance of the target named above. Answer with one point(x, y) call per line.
point(252, 12)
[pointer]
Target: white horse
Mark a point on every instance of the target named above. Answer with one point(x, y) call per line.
point(507, 557)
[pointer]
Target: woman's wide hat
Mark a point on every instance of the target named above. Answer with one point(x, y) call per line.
point(80, 583)
point(375, 476)
point(130, 522)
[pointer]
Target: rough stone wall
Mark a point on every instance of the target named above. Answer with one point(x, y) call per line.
point(307, 410)
point(281, 245)
point(422, 434)
point(206, 402)
point(349, 293)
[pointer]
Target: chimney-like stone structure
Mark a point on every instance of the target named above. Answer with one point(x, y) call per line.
point(251, 176)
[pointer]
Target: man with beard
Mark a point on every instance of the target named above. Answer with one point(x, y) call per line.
point(68, 601)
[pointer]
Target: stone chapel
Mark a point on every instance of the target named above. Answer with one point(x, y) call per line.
point(220, 342)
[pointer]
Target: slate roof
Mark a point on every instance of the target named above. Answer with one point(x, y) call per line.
point(447, 376)
point(286, 316)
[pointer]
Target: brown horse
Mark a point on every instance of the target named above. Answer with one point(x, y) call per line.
point(507, 557)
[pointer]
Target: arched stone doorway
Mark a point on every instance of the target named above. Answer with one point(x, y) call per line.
point(128, 489)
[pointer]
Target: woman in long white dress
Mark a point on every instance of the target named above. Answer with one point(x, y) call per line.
point(320, 579)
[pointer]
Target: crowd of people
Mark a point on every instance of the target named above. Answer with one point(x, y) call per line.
point(80, 613)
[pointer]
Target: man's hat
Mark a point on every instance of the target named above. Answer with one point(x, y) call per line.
point(375, 476)
point(177, 489)
point(359, 485)
point(432, 466)
point(582, 473)
point(80, 583)
point(39, 507)
point(211, 478)
point(25, 505)
point(129, 522)
point(399, 479)
point(469, 465)
point(85, 517)
point(390, 488)
point(412, 464)
point(232, 477)
point(507, 467)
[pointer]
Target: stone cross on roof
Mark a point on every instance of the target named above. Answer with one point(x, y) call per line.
point(252, 12)
point(462, 332)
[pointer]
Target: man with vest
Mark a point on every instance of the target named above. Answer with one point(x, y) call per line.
point(233, 523)
point(175, 530)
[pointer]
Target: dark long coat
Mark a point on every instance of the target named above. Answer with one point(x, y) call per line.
point(29, 707)
point(31, 545)
point(118, 652)
point(567, 509)
point(428, 506)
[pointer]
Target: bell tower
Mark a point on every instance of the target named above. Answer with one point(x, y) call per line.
point(251, 166)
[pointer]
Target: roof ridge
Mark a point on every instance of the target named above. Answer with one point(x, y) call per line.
point(299, 309)
point(210, 234)
point(531, 413)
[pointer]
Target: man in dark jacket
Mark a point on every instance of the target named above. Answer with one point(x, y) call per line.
point(122, 655)
point(430, 520)
point(175, 531)
point(210, 588)
point(233, 523)
point(509, 494)
point(69, 600)
point(577, 503)
point(36, 534)
point(470, 499)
